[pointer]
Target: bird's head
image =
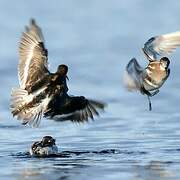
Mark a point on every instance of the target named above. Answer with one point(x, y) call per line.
point(62, 70)
point(48, 141)
point(164, 61)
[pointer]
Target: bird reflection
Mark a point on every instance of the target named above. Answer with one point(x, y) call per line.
point(155, 170)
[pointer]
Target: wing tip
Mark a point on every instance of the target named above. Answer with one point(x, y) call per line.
point(129, 82)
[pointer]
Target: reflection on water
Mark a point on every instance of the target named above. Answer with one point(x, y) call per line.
point(95, 39)
point(154, 170)
point(67, 164)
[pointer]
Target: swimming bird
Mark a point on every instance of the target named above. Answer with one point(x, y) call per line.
point(47, 146)
point(39, 87)
point(149, 80)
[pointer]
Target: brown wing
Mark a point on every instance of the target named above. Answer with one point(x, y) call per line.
point(76, 109)
point(90, 109)
point(33, 56)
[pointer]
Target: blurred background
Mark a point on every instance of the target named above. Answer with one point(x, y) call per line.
point(96, 39)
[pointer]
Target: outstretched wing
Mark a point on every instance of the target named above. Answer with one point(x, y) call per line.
point(33, 56)
point(76, 109)
point(161, 45)
point(133, 75)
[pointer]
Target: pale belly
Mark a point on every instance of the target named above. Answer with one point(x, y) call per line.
point(154, 82)
point(44, 151)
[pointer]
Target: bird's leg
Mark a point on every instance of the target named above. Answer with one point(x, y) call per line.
point(150, 95)
point(144, 91)
point(150, 106)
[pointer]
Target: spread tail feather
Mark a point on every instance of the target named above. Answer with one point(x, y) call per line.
point(25, 110)
point(19, 98)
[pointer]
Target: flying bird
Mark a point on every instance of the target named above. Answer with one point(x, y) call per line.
point(149, 80)
point(40, 90)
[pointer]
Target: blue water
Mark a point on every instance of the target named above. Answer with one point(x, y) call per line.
point(96, 39)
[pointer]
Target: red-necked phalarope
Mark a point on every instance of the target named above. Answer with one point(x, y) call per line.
point(45, 147)
point(148, 80)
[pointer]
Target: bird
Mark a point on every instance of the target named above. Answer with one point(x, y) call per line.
point(39, 88)
point(150, 79)
point(47, 146)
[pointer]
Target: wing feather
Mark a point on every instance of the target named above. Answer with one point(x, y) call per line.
point(161, 45)
point(33, 64)
point(76, 109)
point(28, 114)
point(133, 75)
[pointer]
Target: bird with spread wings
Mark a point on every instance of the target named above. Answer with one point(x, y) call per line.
point(42, 92)
point(149, 80)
